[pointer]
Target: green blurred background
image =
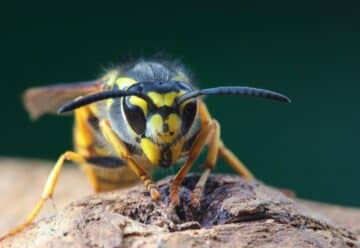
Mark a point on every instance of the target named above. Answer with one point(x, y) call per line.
point(309, 50)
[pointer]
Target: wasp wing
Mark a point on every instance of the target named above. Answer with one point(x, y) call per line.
point(47, 99)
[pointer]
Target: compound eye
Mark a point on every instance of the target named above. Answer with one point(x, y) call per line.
point(188, 116)
point(135, 117)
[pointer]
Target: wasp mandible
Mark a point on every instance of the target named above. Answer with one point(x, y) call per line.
point(136, 117)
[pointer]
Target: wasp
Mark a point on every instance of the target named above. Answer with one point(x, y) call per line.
point(137, 117)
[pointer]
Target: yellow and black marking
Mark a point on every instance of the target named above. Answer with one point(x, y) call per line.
point(137, 116)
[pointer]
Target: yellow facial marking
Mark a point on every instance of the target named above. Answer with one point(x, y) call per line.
point(166, 99)
point(139, 102)
point(111, 79)
point(151, 150)
point(174, 123)
point(124, 82)
point(156, 125)
point(156, 122)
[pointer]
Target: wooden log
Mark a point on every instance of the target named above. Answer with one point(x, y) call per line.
point(233, 213)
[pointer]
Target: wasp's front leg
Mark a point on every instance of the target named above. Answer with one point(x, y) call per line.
point(209, 164)
point(216, 148)
point(124, 153)
point(195, 150)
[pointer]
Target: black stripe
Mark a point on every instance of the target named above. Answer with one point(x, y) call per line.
point(94, 122)
point(110, 162)
point(163, 111)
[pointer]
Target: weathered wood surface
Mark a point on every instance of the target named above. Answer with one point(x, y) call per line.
point(233, 213)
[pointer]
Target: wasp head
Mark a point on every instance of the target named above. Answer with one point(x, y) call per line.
point(156, 114)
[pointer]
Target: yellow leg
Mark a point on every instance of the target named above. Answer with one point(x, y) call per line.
point(199, 188)
point(212, 155)
point(229, 157)
point(124, 154)
point(210, 162)
point(193, 155)
point(216, 148)
point(48, 189)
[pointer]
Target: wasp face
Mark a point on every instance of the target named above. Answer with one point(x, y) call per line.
point(163, 126)
point(159, 117)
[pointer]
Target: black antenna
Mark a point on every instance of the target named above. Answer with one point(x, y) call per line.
point(235, 90)
point(98, 97)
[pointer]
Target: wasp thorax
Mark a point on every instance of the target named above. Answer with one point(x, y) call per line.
point(163, 129)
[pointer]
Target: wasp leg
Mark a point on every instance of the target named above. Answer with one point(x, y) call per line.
point(210, 162)
point(216, 148)
point(48, 189)
point(195, 150)
point(124, 153)
point(229, 157)
point(235, 163)
point(212, 155)
point(223, 151)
